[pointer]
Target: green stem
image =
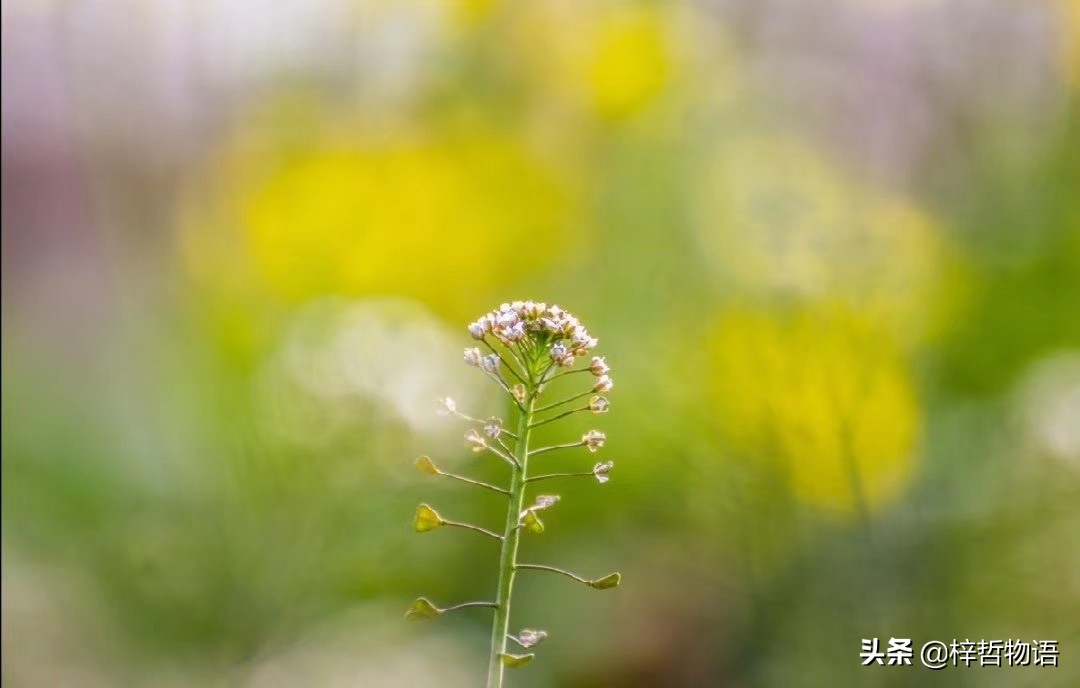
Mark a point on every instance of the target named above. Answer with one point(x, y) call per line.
point(508, 556)
point(553, 569)
point(549, 476)
point(564, 414)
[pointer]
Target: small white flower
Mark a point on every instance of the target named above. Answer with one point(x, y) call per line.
point(493, 427)
point(593, 440)
point(478, 329)
point(561, 355)
point(475, 441)
point(581, 340)
point(490, 363)
point(515, 332)
point(599, 366)
point(602, 470)
point(570, 325)
point(529, 638)
point(539, 504)
point(446, 406)
point(472, 356)
point(603, 384)
point(558, 351)
point(505, 317)
point(544, 502)
point(598, 404)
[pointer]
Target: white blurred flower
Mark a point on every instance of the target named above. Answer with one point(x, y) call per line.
point(446, 406)
point(1048, 405)
point(472, 356)
point(339, 358)
point(475, 441)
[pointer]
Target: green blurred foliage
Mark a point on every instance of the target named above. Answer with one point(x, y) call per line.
point(832, 418)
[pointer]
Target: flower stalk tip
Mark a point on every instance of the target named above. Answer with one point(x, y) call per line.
point(522, 346)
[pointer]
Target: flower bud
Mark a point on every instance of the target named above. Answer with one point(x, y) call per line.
point(598, 404)
point(519, 392)
point(477, 329)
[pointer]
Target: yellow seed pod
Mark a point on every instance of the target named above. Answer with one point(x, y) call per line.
point(424, 464)
point(426, 519)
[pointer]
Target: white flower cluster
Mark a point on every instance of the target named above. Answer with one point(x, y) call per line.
point(564, 336)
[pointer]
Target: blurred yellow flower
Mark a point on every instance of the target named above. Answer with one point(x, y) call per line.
point(777, 219)
point(612, 58)
point(629, 63)
point(441, 221)
point(821, 397)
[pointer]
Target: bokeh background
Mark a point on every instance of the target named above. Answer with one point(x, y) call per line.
point(830, 249)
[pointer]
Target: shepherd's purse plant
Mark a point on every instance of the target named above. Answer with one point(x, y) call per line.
point(526, 345)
